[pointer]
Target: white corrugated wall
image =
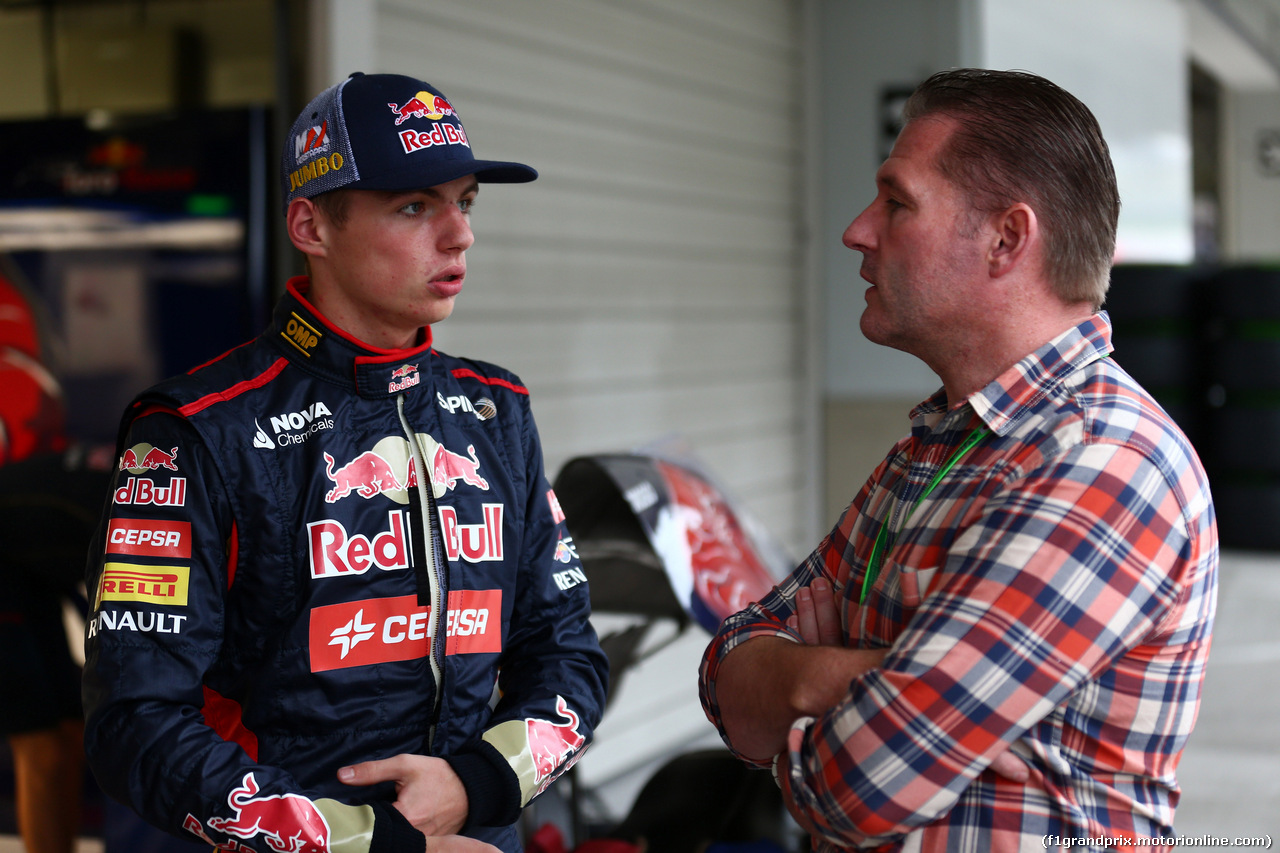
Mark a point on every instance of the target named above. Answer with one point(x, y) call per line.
point(654, 281)
point(651, 282)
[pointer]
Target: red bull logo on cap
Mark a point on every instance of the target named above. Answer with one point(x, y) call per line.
point(289, 823)
point(144, 457)
point(422, 105)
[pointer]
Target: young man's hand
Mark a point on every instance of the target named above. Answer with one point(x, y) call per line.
point(428, 793)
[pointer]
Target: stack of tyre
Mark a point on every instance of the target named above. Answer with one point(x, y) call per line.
point(1243, 406)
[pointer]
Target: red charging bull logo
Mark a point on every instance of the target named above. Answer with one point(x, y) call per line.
point(447, 468)
point(727, 571)
point(422, 105)
point(144, 457)
point(290, 823)
point(551, 743)
point(404, 376)
point(367, 475)
point(389, 469)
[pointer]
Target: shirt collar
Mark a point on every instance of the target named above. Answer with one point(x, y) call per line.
point(312, 342)
point(1016, 391)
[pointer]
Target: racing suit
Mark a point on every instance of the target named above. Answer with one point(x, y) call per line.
point(317, 553)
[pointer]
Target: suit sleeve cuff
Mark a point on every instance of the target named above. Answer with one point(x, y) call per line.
point(392, 832)
point(493, 791)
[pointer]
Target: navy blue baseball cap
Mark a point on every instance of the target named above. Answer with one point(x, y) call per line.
point(382, 132)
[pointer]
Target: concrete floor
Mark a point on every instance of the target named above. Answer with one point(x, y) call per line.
point(1230, 771)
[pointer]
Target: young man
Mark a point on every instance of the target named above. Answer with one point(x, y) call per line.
point(336, 607)
point(1032, 571)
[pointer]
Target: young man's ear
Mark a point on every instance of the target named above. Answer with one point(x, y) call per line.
point(1017, 231)
point(307, 227)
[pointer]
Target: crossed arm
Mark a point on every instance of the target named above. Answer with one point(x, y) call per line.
point(766, 683)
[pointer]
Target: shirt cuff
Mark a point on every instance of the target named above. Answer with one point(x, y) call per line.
point(493, 791)
point(795, 767)
point(392, 832)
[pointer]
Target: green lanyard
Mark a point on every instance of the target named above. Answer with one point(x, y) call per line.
point(884, 542)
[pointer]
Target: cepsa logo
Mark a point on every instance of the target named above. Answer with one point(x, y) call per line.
point(149, 538)
point(383, 630)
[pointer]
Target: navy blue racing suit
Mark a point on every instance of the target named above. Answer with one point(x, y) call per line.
point(317, 553)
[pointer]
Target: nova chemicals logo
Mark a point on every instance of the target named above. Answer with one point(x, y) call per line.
point(293, 427)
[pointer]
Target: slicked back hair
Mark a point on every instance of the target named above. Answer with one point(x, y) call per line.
point(1022, 138)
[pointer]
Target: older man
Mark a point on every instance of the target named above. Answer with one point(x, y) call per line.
point(1032, 571)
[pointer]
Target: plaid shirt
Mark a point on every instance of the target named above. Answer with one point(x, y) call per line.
point(1054, 594)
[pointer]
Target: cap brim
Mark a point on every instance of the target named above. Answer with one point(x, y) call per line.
point(442, 172)
point(498, 172)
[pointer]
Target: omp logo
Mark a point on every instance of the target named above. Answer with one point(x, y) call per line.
point(383, 630)
point(304, 336)
point(147, 584)
point(293, 427)
point(149, 538)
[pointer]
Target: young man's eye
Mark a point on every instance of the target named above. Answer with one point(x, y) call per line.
point(413, 208)
point(466, 204)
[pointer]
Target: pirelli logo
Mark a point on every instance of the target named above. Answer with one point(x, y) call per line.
point(147, 584)
point(304, 336)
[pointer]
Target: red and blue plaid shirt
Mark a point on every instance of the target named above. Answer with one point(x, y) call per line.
point(1054, 594)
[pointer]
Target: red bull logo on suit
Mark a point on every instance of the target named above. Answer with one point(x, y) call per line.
point(144, 457)
point(289, 823)
point(389, 469)
point(552, 742)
